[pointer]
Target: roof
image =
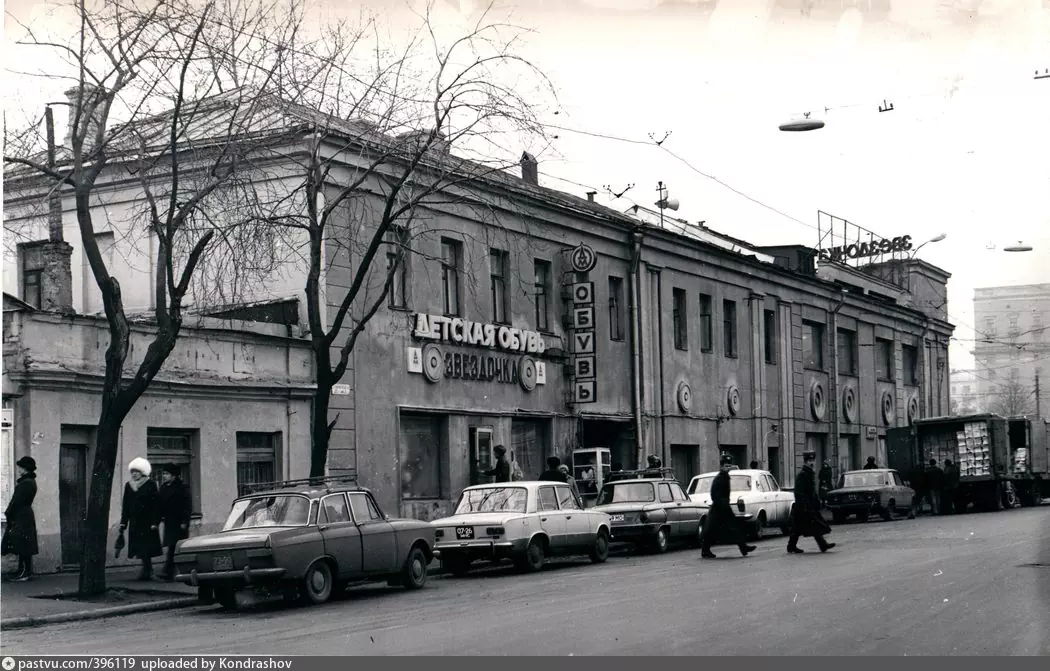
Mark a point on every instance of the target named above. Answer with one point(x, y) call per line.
point(311, 491)
point(738, 471)
point(528, 484)
point(15, 304)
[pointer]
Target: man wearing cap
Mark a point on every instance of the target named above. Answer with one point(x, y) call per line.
point(20, 536)
point(174, 506)
point(806, 518)
point(502, 468)
point(720, 517)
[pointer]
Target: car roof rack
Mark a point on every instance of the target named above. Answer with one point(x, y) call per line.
point(643, 474)
point(327, 482)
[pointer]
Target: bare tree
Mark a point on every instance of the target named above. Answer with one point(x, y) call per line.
point(163, 98)
point(1013, 398)
point(377, 170)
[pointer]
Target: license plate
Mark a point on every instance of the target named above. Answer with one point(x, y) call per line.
point(222, 563)
point(464, 533)
point(617, 518)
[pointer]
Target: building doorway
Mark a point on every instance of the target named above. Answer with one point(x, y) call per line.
point(72, 500)
point(684, 460)
point(773, 462)
point(617, 436)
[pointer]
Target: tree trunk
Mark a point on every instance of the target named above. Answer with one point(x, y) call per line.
point(320, 429)
point(96, 526)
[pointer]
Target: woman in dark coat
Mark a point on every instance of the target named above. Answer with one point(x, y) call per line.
point(20, 537)
point(140, 516)
point(806, 518)
point(175, 508)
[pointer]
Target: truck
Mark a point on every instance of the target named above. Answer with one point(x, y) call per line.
point(1002, 462)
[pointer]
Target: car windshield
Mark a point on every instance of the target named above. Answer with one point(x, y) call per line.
point(627, 492)
point(737, 483)
point(287, 510)
point(493, 500)
point(865, 479)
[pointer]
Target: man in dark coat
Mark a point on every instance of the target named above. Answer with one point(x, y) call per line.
point(951, 487)
point(501, 470)
point(553, 474)
point(720, 517)
point(935, 486)
point(140, 516)
point(824, 478)
point(175, 506)
point(871, 464)
point(806, 518)
point(917, 480)
point(20, 536)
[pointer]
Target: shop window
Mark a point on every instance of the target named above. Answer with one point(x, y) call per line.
point(706, 324)
point(451, 261)
point(729, 328)
point(256, 459)
point(175, 447)
point(542, 292)
point(679, 318)
point(769, 318)
point(422, 459)
point(813, 345)
point(529, 446)
point(847, 347)
point(884, 359)
point(499, 262)
point(616, 308)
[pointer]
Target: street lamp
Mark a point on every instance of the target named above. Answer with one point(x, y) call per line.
point(665, 202)
point(936, 238)
point(801, 125)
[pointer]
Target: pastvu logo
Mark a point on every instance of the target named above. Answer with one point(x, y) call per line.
point(8, 664)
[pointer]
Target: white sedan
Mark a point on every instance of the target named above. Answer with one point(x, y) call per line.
point(765, 505)
point(522, 521)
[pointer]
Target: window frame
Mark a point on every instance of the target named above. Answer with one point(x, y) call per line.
point(707, 320)
point(881, 351)
point(499, 285)
point(324, 508)
point(911, 372)
point(617, 328)
point(730, 330)
point(450, 277)
point(660, 488)
point(542, 289)
point(853, 348)
point(539, 499)
point(680, 319)
point(770, 332)
point(397, 237)
point(816, 329)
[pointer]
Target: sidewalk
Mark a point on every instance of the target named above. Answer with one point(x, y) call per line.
point(34, 603)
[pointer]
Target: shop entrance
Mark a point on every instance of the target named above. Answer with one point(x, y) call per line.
point(618, 436)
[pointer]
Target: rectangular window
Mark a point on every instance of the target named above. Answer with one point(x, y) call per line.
point(847, 347)
point(256, 459)
point(813, 345)
point(421, 458)
point(706, 324)
point(911, 365)
point(451, 253)
point(498, 263)
point(396, 266)
point(616, 305)
point(542, 291)
point(174, 447)
point(884, 359)
point(729, 327)
point(31, 287)
point(678, 315)
point(769, 317)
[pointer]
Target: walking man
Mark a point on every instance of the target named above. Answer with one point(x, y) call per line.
point(175, 507)
point(935, 486)
point(720, 517)
point(501, 470)
point(951, 488)
point(871, 465)
point(806, 518)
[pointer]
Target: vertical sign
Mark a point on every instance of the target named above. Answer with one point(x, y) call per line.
point(584, 370)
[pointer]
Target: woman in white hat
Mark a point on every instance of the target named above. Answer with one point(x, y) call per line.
point(140, 516)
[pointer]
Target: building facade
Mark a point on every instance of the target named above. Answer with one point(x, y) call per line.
point(1012, 346)
point(966, 397)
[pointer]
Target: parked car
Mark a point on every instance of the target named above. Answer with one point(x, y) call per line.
point(307, 540)
point(879, 490)
point(764, 504)
point(650, 512)
point(522, 521)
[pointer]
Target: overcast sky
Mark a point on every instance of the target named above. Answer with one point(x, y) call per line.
point(966, 150)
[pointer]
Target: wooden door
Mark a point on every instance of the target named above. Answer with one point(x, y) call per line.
point(72, 499)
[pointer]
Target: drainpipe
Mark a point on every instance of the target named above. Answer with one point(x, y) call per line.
point(836, 397)
point(925, 391)
point(635, 280)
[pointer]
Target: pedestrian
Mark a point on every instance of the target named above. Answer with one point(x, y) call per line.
point(175, 507)
point(654, 463)
point(501, 471)
point(917, 480)
point(564, 469)
point(140, 516)
point(949, 500)
point(20, 537)
point(934, 486)
point(825, 477)
point(552, 473)
point(806, 518)
point(720, 516)
point(754, 465)
point(871, 464)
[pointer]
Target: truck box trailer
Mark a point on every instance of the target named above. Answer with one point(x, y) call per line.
point(980, 445)
point(1031, 454)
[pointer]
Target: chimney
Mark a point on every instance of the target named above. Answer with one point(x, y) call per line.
point(591, 195)
point(89, 96)
point(530, 169)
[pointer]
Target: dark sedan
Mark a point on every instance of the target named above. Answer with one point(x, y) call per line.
point(649, 512)
point(877, 491)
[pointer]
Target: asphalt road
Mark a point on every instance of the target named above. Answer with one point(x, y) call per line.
point(964, 585)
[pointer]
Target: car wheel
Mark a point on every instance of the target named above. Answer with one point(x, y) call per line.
point(317, 583)
point(414, 573)
point(660, 541)
point(758, 527)
point(456, 565)
point(889, 511)
point(532, 560)
point(838, 517)
point(226, 597)
point(600, 550)
point(698, 537)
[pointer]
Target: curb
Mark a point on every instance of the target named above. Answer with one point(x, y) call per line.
point(96, 613)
